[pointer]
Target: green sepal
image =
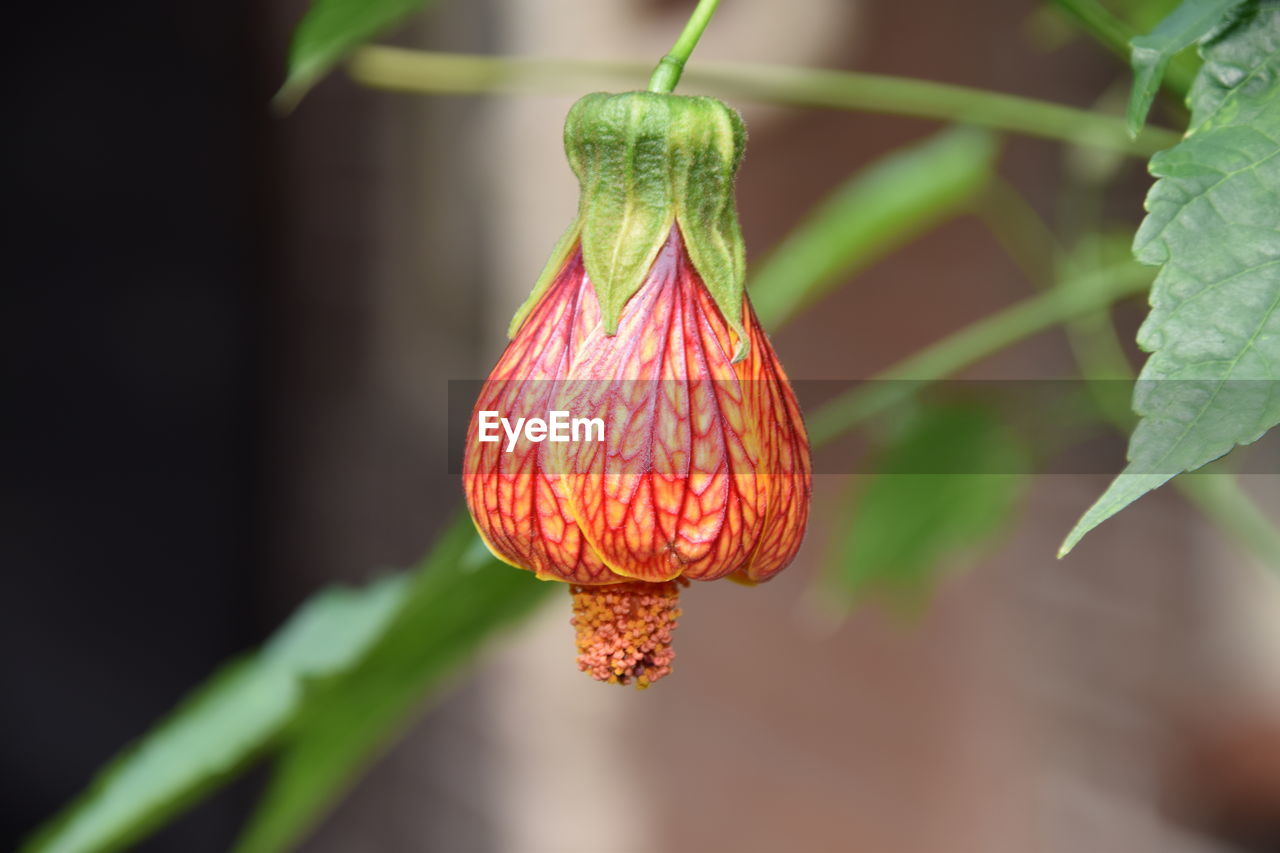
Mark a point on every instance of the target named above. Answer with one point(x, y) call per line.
point(646, 161)
point(706, 212)
point(559, 257)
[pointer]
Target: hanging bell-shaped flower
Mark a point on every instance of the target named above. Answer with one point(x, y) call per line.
point(638, 432)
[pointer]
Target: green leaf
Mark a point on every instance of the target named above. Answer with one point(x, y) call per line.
point(457, 600)
point(1213, 225)
point(874, 212)
point(217, 729)
point(1150, 55)
point(947, 484)
point(329, 688)
point(329, 31)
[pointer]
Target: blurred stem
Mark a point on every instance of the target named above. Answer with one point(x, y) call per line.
point(1096, 20)
point(1020, 231)
point(1114, 34)
point(448, 73)
point(670, 67)
point(973, 343)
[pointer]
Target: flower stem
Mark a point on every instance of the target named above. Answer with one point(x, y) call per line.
point(458, 74)
point(667, 74)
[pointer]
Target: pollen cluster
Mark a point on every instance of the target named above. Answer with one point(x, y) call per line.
point(624, 630)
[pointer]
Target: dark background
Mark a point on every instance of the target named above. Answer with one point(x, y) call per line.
point(137, 317)
point(192, 445)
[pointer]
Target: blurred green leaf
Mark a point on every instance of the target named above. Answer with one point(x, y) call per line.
point(1150, 55)
point(877, 210)
point(948, 483)
point(328, 31)
point(217, 729)
point(329, 688)
point(454, 602)
point(1214, 227)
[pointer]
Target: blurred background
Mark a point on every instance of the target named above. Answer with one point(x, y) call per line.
point(227, 342)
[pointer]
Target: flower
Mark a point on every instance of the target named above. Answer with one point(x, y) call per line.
point(700, 469)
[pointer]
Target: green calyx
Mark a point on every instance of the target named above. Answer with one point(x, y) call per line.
point(646, 161)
